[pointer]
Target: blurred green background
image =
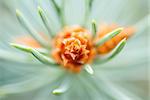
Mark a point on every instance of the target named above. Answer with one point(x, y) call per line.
point(128, 71)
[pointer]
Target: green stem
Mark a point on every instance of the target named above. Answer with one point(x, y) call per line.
point(94, 28)
point(26, 25)
point(116, 51)
point(109, 36)
point(60, 11)
point(41, 57)
point(64, 86)
point(45, 21)
point(88, 5)
point(89, 69)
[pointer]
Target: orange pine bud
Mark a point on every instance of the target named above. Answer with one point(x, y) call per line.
point(112, 43)
point(29, 41)
point(73, 48)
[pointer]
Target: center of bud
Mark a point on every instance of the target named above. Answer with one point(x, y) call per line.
point(73, 48)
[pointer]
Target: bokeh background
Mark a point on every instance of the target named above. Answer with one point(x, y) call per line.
point(128, 71)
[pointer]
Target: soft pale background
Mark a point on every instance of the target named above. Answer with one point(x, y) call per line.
point(129, 70)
